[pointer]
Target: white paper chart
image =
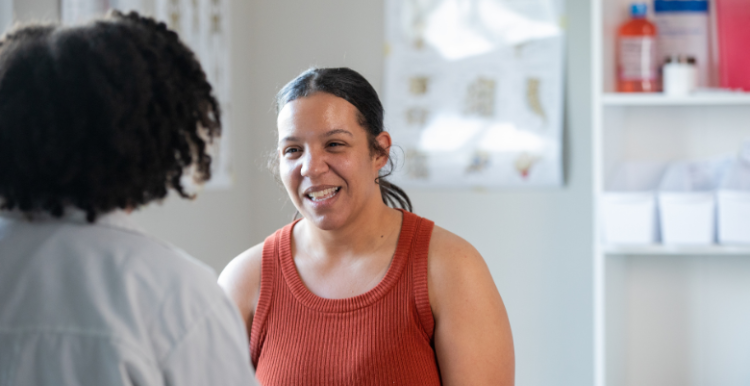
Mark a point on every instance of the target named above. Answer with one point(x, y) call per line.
point(204, 26)
point(473, 91)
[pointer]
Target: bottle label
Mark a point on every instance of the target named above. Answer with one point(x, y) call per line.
point(637, 58)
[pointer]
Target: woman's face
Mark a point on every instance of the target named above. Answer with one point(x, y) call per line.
point(325, 160)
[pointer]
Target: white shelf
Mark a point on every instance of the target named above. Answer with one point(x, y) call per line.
point(658, 99)
point(662, 250)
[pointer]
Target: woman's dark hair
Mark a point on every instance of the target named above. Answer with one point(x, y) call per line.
point(105, 115)
point(349, 85)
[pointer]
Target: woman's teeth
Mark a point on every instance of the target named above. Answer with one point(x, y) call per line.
point(323, 194)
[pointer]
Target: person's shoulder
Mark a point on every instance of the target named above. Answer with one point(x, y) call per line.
point(246, 263)
point(183, 293)
point(151, 256)
point(447, 248)
point(163, 270)
point(241, 279)
point(454, 267)
point(112, 245)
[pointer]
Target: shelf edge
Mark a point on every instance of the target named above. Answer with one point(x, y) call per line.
point(663, 250)
point(614, 99)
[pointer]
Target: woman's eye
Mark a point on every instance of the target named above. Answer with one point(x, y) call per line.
point(290, 150)
point(334, 144)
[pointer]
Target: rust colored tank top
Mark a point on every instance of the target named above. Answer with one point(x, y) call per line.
point(382, 337)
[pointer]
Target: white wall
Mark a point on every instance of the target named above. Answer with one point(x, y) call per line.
point(37, 10)
point(537, 243)
point(6, 13)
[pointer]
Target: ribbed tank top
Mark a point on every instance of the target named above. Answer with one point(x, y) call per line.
point(383, 336)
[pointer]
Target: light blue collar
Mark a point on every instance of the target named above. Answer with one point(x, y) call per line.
point(116, 218)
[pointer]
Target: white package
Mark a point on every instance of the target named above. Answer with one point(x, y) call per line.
point(683, 29)
point(687, 203)
point(733, 198)
point(629, 204)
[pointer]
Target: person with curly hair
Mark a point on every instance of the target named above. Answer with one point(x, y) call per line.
point(98, 120)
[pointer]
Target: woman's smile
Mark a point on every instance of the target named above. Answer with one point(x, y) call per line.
point(321, 196)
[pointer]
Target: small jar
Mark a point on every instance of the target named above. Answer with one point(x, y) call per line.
point(679, 75)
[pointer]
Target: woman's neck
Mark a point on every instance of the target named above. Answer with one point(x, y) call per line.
point(374, 227)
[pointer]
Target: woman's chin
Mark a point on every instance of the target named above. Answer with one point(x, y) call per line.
point(326, 221)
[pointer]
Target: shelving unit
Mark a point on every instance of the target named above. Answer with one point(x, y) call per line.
point(705, 99)
point(664, 315)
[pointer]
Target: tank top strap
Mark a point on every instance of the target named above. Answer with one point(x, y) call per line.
point(420, 250)
point(268, 273)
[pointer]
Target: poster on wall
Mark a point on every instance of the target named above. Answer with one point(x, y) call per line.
point(77, 11)
point(204, 26)
point(474, 92)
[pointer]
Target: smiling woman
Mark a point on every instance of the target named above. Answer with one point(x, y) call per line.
point(368, 112)
point(360, 290)
point(327, 161)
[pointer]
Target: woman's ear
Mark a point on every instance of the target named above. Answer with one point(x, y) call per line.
point(384, 141)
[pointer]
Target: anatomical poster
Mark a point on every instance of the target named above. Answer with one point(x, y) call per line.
point(473, 92)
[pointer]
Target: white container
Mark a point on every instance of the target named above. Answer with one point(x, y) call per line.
point(629, 204)
point(679, 78)
point(734, 204)
point(687, 203)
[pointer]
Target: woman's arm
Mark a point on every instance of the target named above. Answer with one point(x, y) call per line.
point(473, 340)
point(240, 279)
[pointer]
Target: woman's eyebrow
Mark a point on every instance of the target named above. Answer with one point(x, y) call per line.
point(329, 133)
point(338, 131)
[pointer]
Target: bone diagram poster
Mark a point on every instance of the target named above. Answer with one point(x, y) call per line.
point(473, 92)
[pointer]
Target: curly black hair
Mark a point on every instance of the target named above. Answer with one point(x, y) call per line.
point(105, 115)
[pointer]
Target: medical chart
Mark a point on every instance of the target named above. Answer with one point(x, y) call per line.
point(473, 92)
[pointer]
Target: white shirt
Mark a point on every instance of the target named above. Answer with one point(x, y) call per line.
point(104, 304)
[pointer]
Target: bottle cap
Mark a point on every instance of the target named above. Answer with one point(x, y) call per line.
point(638, 10)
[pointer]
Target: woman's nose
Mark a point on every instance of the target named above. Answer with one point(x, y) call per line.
point(313, 164)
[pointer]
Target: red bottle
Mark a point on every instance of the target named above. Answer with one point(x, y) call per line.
point(637, 65)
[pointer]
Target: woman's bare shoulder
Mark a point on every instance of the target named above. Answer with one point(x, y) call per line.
point(473, 340)
point(241, 279)
point(451, 251)
point(454, 267)
point(246, 260)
